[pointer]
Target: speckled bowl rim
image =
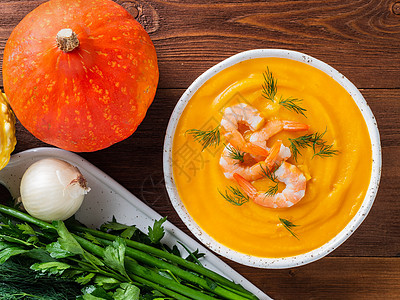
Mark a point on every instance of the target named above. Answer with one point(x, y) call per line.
point(267, 262)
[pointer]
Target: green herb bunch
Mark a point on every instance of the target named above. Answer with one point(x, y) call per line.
point(18, 281)
point(116, 262)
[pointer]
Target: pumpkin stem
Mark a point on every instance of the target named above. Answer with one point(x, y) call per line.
point(67, 40)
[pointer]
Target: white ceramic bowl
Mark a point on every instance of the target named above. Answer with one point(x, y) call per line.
point(285, 262)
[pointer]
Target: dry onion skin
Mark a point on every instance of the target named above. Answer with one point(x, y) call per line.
point(52, 189)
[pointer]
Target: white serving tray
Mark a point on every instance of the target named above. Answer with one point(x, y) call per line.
point(108, 198)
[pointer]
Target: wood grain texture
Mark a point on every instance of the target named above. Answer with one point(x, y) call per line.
point(332, 278)
point(359, 38)
point(136, 163)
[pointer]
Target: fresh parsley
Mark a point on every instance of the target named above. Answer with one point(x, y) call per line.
point(156, 233)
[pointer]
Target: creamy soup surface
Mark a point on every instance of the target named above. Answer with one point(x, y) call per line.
point(336, 185)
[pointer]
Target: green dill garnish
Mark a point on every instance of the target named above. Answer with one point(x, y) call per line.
point(269, 86)
point(314, 140)
point(235, 154)
point(272, 190)
point(288, 226)
point(206, 137)
point(303, 141)
point(326, 151)
point(270, 174)
point(269, 90)
point(292, 105)
point(235, 196)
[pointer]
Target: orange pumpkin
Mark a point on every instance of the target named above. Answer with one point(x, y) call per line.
point(80, 74)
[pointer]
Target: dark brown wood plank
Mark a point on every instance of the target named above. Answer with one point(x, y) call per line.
point(359, 38)
point(136, 163)
point(331, 278)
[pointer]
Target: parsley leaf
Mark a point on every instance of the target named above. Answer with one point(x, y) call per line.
point(114, 256)
point(51, 268)
point(127, 291)
point(156, 233)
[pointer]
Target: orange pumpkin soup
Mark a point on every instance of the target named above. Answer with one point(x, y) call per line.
point(336, 184)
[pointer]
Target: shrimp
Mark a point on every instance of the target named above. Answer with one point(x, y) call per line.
point(277, 154)
point(242, 114)
point(273, 127)
point(251, 169)
point(294, 191)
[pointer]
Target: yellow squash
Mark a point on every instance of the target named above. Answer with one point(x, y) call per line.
point(7, 131)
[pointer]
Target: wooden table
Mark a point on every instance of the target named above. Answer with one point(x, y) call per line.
point(361, 39)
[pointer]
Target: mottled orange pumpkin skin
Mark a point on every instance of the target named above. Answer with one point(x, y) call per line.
point(89, 98)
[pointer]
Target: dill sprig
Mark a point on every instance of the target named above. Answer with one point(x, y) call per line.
point(314, 140)
point(317, 139)
point(18, 281)
point(235, 153)
point(235, 196)
point(303, 141)
point(272, 190)
point(288, 226)
point(269, 90)
point(292, 105)
point(269, 86)
point(206, 137)
point(326, 151)
point(270, 174)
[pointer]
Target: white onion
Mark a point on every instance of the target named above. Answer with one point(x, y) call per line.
point(52, 189)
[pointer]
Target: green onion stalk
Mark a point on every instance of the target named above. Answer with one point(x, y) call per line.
point(118, 259)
